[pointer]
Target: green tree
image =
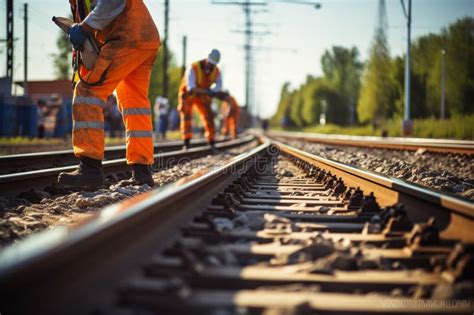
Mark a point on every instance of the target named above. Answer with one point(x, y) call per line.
point(156, 80)
point(457, 40)
point(459, 66)
point(283, 105)
point(311, 107)
point(296, 108)
point(376, 100)
point(342, 69)
point(62, 59)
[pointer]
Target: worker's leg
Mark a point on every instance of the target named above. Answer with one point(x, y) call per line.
point(233, 126)
point(89, 100)
point(88, 132)
point(207, 119)
point(112, 66)
point(225, 126)
point(185, 109)
point(88, 120)
point(132, 95)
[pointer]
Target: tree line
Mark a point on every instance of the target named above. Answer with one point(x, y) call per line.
point(354, 92)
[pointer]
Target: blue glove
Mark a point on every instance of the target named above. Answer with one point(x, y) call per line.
point(77, 36)
point(211, 93)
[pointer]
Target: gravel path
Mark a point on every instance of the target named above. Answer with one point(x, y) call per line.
point(35, 211)
point(445, 172)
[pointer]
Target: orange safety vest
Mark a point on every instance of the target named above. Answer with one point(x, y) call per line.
point(133, 28)
point(203, 80)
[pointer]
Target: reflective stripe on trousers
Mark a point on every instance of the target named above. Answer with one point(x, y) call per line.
point(139, 134)
point(136, 111)
point(87, 125)
point(88, 100)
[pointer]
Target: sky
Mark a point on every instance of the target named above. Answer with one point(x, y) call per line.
point(296, 37)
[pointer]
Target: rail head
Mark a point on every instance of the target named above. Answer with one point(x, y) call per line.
point(40, 160)
point(11, 184)
point(413, 144)
point(452, 203)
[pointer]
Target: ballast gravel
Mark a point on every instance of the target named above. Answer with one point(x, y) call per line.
point(34, 211)
point(445, 172)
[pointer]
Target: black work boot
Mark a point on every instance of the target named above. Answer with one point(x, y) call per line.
point(88, 174)
point(187, 144)
point(212, 143)
point(141, 175)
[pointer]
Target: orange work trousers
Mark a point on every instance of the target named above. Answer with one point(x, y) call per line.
point(186, 114)
point(230, 126)
point(127, 71)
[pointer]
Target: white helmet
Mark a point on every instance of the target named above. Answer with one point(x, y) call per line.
point(214, 57)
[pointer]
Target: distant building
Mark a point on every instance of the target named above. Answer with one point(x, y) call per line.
point(46, 89)
point(58, 97)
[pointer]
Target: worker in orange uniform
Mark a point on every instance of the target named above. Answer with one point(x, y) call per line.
point(128, 40)
point(230, 111)
point(197, 90)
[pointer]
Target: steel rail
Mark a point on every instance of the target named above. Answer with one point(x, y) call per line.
point(43, 273)
point(412, 144)
point(389, 191)
point(11, 184)
point(50, 159)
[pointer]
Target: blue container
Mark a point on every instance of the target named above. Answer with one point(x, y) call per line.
point(67, 105)
point(8, 117)
point(64, 120)
point(27, 120)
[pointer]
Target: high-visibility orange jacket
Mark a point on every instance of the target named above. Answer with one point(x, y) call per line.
point(133, 28)
point(203, 80)
point(201, 102)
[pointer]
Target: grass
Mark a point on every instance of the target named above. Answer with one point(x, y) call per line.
point(460, 127)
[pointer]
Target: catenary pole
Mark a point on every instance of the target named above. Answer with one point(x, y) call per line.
point(25, 56)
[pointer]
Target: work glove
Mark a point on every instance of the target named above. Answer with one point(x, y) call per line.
point(221, 95)
point(211, 93)
point(77, 36)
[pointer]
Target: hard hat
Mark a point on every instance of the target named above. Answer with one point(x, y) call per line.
point(214, 57)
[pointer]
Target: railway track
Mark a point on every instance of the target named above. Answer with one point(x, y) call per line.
point(41, 160)
point(46, 178)
point(412, 144)
point(274, 231)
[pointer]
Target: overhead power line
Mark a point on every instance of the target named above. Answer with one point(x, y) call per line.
point(249, 33)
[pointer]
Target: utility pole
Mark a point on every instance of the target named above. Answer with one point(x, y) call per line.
point(165, 51)
point(25, 75)
point(10, 39)
point(248, 53)
point(407, 124)
point(185, 48)
point(443, 83)
point(247, 8)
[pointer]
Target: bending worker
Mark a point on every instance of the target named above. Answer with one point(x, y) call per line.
point(230, 111)
point(195, 90)
point(128, 40)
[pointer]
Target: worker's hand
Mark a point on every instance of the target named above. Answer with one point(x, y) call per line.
point(77, 36)
point(211, 93)
point(221, 95)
